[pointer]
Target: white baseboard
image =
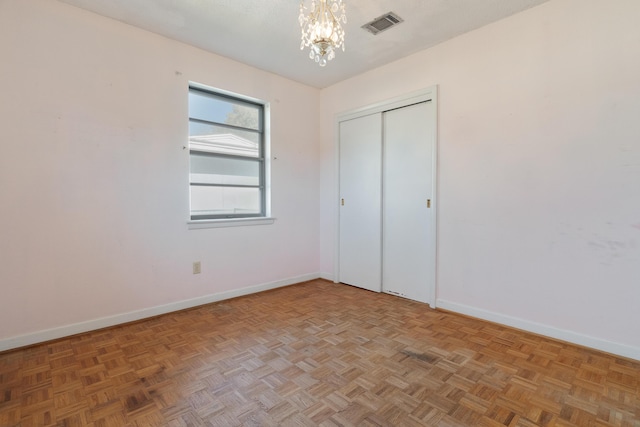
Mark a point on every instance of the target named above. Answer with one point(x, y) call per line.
point(105, 322)
point(326, 276)
point(542, 329)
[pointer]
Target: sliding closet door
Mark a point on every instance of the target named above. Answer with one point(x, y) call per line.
point(408, 267)
point(360, 202)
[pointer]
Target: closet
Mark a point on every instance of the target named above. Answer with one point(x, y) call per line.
point(387, 170)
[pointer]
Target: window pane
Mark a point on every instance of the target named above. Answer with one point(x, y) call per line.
point(212, 108)
point(226, 146)
point(218, 139)
point(224, 201)
point(206, 169)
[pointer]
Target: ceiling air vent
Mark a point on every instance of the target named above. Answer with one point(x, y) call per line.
point(382, 23)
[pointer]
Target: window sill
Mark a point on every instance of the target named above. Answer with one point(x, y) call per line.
point(232, 222)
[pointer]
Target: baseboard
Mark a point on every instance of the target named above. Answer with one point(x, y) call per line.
point(327, 276)
point(542, 329)
point(105, 322)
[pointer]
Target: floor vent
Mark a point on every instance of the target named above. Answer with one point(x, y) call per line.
point(382, 23)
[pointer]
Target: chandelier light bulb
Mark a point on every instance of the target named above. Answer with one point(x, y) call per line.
point(322, 31)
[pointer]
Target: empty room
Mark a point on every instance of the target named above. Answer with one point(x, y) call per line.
point(320, 213)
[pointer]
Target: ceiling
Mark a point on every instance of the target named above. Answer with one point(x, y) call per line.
point(265, 33)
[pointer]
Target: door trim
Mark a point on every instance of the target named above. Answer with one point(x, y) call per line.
point(423, 95)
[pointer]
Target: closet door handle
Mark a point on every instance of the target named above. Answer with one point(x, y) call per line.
point(342, 202)
point(429, 203)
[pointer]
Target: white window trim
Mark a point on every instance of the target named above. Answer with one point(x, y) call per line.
point(228, 222)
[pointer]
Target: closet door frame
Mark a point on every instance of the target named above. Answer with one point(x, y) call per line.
point(423, 95)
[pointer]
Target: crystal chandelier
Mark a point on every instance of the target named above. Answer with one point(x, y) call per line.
point(321, 29)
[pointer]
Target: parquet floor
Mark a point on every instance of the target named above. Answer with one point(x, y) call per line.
point(315, 354)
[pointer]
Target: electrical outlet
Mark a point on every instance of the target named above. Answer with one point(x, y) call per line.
point(196, 267)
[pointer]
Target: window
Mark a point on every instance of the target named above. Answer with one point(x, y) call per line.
point(227, 156)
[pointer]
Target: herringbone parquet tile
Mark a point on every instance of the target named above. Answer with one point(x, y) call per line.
point(315, 354)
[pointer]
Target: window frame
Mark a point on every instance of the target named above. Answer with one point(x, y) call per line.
point(262, 159)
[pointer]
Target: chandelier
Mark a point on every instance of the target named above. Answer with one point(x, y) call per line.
point(321, 29)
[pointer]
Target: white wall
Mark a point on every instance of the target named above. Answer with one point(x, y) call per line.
point(539, 168)
point(539, 165)
point(94, 177)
